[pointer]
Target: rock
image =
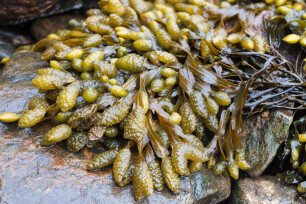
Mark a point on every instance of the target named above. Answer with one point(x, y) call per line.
point(16, 35)
point(264, 189)
point(207, 188)
point(42, 27)
point(18, 11)
point(15, 87)
point(33, 174)
point(6, 49)
point(263, 136)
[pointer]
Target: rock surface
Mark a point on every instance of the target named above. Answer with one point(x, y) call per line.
point(263, 190)
point(15, 81)
point(263, 135)
point(33, 174)
point(18, 11)
point(16, 35)
point(42, 27)
point(6, 49)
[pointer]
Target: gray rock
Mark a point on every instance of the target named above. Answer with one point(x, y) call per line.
point(15, 77)
point(6, 49)
point(33, 174)
point(263, 136)
point(263, 190)
point(207, 188)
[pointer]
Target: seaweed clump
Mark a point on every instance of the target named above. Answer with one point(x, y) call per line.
point(163, 86)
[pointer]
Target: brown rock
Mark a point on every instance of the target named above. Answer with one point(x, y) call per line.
point(263, 135)
point(30, 173)
point(18, 11)
point(265, 189)
point(42, 27)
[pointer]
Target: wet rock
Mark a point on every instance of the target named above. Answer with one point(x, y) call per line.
point(42, 27)
point(207, 188)
point(16, 35)
point(33, 174)
point(263, 135)
point(6, 49)
point(15, 77)
point(265, 189)
point(19, 11)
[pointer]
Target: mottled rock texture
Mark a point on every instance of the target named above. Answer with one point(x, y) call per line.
point(263, 135)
